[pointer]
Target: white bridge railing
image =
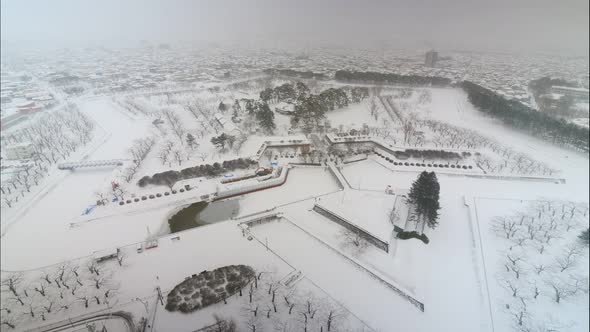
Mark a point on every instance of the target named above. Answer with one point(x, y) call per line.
point(91, 163)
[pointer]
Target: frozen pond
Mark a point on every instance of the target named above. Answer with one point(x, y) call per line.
point(203, 213)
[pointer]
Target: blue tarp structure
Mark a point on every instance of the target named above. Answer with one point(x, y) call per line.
point(228, 176)
point(89, 209)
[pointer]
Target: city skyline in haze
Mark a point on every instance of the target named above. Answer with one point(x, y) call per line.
point(559, 27)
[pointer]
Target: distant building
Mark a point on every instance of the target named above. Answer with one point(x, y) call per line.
point(29, 107)
point(228, 126)
point(19, 151)
point(431, 58)
point(579, 94)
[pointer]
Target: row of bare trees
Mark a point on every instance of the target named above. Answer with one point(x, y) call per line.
point(139, 151)
point(135, 106)
point(53, 137)
point(269, 305)
point(67, 289)
point(541, 259)
point(414, 131)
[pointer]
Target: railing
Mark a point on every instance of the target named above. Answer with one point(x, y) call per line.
point(90, 163)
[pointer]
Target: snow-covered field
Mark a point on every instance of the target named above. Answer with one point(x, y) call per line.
point(537, 269)
point(454, 276)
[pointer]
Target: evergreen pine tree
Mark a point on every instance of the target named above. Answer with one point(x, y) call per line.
point(190, 139)
point(222, 107)
point(585, 237)
point(432, 204)
point(266, 118)
point(424, 194)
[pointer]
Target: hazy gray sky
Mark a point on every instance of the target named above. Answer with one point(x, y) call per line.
point(502, 25)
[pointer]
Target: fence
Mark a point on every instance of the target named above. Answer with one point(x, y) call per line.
point(278, 181)
point(373, 274)
point(346, 224)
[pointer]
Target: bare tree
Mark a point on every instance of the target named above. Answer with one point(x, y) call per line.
point(12, 283)
point(518, 311)
point(517, 241)
point(48, 305)
point(40, 289)
point(203, 156)
point(539, 268)
point(517, 269)
point(163, 156)
point(92, 267)
point(504, 226)
point(99, 281)
point(511, 286)
point(9, 321)
point(85, 300)
point(354, 240)
point(178, 157)
point(514, 258)
point(120, 257)
point(8, 200)
point(569, 257)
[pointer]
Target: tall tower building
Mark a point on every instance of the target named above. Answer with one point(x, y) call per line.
point(431, 57)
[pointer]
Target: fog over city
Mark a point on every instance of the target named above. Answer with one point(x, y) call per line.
point(504, 25)
point(294, 166)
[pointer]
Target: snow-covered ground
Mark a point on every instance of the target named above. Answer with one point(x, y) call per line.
point(525, 278)
point(451, 276)
point(46, 223)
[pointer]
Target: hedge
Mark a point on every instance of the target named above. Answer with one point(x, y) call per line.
point(170, 177)
point(413, 235)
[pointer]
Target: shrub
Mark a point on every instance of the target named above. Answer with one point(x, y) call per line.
point(413, 235)
point(184, 307)
point(144, 181)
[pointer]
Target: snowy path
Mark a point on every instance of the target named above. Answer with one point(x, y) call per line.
point(374, 302)
point(42, 234)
